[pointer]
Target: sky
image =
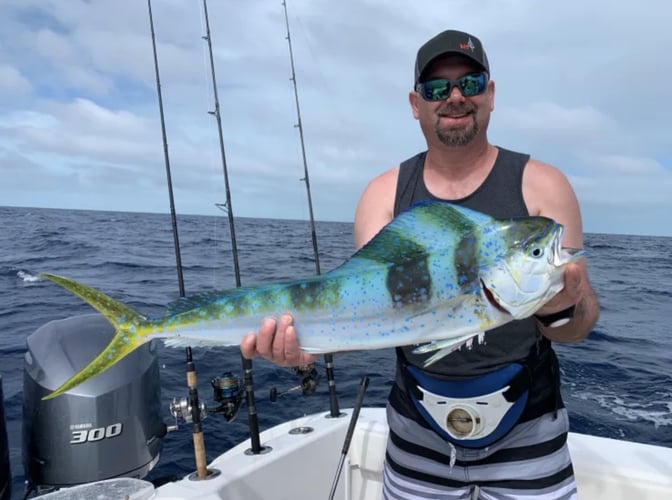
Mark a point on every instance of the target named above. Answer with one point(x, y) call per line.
point(582, 85)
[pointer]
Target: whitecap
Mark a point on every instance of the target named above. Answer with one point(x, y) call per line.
point(27, 277)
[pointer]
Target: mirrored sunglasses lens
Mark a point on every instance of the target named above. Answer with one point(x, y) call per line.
point(435, 90)
point(472, 84)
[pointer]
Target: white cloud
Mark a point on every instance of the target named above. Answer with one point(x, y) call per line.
point(636, 183)
point(631, 167)
point(558, 126)
point(581, 86)
point(12, 81)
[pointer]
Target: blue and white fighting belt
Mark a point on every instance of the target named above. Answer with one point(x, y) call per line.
point(472, 413)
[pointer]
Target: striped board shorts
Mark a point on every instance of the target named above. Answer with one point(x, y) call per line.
point(531, 462)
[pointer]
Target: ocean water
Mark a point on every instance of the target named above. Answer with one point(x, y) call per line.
point(617, 383)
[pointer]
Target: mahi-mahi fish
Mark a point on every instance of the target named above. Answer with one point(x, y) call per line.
point(438, 275)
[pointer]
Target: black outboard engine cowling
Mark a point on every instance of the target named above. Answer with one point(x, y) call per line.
point(108, 427)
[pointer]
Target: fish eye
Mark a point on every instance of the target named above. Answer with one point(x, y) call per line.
point(536, 252)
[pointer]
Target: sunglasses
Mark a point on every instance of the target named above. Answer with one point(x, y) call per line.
point(440, 89)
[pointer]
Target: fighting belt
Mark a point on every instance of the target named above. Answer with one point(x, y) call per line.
point(471, 413)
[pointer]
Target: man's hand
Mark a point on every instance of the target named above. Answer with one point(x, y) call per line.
point(577, 292)
point(277, 342)
point(570, 295)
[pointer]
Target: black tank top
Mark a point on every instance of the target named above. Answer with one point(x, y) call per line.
point(501, 196)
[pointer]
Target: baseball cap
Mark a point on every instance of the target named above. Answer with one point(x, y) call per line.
point(450, 42)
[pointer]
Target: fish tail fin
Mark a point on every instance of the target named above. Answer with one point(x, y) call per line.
point(130, 331)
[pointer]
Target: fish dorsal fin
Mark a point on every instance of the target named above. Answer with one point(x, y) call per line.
point(425, 227)
point(184, 304)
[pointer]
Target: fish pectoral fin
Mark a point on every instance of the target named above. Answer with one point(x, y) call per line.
point(184, 342)
point(442, 348)
point(312, 350)
point(453, 343)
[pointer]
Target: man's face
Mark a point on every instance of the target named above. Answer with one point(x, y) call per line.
point(456, 120)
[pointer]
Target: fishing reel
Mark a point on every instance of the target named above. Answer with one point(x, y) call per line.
point(228, 393)
point(309, 378)
point(182, 409)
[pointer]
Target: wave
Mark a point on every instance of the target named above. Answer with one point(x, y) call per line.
point(604, 246)
point(27, 277)
point(657, 411)
point(59, 246)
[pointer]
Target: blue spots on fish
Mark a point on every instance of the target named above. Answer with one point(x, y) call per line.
point(409, 283)
point(392, 247)
point(408, 280)
point(234, 302)
point(315, 294)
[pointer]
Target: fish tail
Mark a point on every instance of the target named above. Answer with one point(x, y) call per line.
point(131, 329)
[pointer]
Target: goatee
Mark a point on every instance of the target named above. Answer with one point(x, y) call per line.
point(456, 137)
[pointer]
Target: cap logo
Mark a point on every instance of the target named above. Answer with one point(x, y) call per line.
point(469, 45)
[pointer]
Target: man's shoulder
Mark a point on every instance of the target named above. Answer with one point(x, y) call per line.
point(385, 178)
point(382, 186)
point(545, 185)
point(538, 170)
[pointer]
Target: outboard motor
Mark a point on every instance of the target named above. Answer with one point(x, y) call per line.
point(108, 427)
point(5, 476)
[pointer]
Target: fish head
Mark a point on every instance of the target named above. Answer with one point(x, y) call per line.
point(529, 268)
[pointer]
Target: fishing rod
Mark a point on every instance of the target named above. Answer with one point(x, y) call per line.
point(199, 444)
point(299, 125)
point(191, 410)
point(252, 417)
point(173, 216)
point(227, 205)
point(348, 435)
point(328, 358)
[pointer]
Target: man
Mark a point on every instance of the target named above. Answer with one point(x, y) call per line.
point(452, 456)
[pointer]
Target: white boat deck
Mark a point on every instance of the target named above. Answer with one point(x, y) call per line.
point(303, 465)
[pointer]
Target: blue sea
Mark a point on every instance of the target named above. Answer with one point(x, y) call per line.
point(617, 383)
